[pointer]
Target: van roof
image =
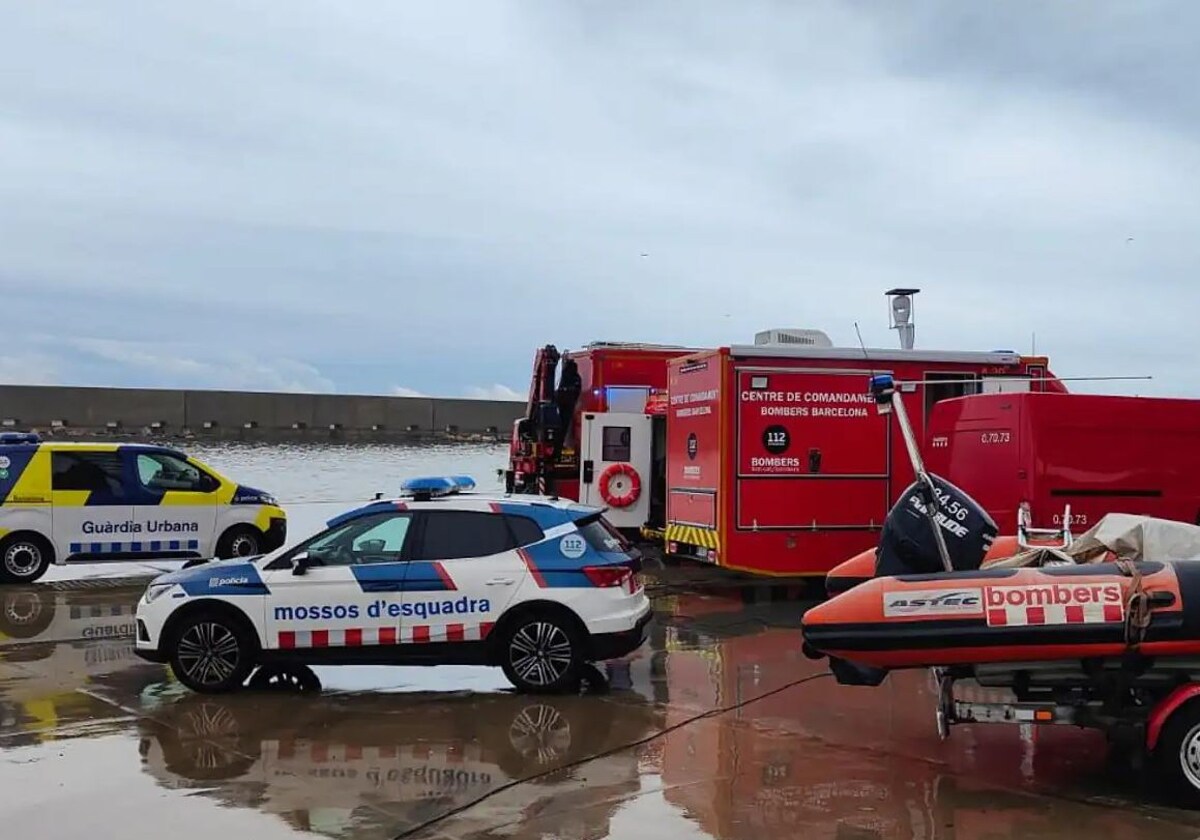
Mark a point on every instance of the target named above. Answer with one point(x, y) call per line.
point(876, 354)
point(89, 446)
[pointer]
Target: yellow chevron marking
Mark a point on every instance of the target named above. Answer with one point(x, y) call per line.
point(694, 535)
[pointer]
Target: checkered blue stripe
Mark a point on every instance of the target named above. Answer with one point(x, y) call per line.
point(143, 547)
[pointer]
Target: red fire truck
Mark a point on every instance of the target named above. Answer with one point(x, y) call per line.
point(1098, 454)
point(595, 430)
point(778, 463)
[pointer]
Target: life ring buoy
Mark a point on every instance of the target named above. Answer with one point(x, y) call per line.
point(624, 496)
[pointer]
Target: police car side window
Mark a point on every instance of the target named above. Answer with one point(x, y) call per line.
point(95, 471)
point(524, 529)
point(373, 539)
point(454, 534)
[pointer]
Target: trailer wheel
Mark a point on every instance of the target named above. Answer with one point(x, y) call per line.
point(1177, 755)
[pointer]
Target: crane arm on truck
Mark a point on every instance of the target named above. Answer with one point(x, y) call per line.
point(538, 436)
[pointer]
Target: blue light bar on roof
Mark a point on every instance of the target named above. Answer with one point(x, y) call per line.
point(20, 437)
point(437, 485)
point(464, 482)
point(434, 485)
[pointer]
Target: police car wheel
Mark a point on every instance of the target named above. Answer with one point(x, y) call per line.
point(212, 654)
point(541, 654)
point(24, 558)
point(239, 541)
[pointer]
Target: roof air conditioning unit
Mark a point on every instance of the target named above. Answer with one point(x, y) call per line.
point(794, 338)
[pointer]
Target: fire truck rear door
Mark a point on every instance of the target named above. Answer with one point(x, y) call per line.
point(607, 440)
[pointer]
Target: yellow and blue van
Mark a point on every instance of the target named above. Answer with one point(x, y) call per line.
point(87, 502)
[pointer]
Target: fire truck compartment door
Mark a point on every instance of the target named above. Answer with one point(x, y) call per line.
point(812, 451)
point(616, 438)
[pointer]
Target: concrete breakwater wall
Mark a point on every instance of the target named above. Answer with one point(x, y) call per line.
point(136, 412)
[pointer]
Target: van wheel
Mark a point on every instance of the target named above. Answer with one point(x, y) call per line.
point(25, 613)
point(1177, 755)
point(541, 654)
point(212, 653)
point(239, 541)
point(24, 557)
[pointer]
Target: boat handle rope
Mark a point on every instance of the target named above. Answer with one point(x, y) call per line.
point(1137, 612)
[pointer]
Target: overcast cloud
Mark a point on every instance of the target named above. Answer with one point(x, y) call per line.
point(411, 197)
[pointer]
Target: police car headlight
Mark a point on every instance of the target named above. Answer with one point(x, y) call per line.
point(268, 499)
point(155, 590)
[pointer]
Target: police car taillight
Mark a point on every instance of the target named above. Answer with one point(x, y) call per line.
point(608, 576)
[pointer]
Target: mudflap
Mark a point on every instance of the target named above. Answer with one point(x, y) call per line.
point(847, 673)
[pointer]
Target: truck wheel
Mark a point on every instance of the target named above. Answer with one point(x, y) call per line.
point(24, 557)
point(541, 653)
point(239, 541)
point(211, 652)
point(1177, 755)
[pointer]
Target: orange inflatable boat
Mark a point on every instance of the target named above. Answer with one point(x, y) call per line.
point(1069, 612)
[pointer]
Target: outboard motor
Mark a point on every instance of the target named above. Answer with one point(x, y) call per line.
point(907, 545)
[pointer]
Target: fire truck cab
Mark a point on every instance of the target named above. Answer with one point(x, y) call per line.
point(594, 431)
point(778, 463)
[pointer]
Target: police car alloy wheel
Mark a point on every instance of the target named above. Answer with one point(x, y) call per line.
point(211, 653)
point(23, 559)
point(541, 654)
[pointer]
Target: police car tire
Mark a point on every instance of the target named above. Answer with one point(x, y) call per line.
point(560, 644)
point(214, 627)
point(36, 543)
point(235, 537)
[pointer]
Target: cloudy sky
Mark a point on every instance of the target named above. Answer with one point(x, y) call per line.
point(408, 197)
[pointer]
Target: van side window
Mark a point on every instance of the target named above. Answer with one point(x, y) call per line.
point(161, 472)
point(99, 472)
point(524, 529)
point(452, 534)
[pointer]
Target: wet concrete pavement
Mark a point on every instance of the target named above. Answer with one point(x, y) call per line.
point(718, 728)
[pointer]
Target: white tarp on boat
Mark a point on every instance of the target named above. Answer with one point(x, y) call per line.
point(1128, 536)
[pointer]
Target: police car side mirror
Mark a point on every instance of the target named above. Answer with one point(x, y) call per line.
point(300, 564)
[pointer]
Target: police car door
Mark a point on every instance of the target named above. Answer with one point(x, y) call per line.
point(464, 573)
point(174, 504)
point(92, 513)
point(341, 588)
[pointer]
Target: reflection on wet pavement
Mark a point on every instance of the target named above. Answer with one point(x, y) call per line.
point(96, 742)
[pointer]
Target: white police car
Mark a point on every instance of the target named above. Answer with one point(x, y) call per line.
point(440, 576)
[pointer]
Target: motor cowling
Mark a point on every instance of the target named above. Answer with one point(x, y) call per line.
point(907, 544)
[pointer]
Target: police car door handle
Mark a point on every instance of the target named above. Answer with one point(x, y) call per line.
point(499, 581)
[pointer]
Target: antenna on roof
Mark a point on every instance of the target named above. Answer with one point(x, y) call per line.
point(861, 344)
